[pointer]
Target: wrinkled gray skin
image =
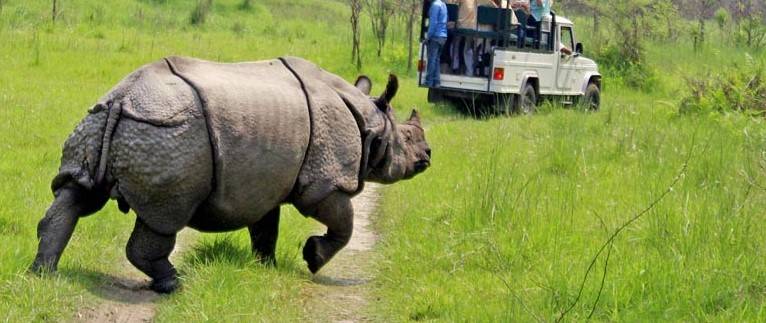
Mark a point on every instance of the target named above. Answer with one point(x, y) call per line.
point(219, 147)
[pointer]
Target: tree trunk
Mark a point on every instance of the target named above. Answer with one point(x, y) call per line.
point(54, 12)
point(596, 22)
point(410, 27)
point(356, 55)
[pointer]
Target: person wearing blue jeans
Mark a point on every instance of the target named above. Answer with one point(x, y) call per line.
point(435, 39)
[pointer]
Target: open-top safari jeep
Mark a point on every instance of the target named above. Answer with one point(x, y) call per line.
point(509, 76)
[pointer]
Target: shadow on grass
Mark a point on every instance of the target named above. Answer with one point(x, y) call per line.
point(221, 251)
point(226, 251)
point(113, 288)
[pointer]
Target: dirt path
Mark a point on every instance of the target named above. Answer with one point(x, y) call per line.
point(126, 298)
point(340, 292)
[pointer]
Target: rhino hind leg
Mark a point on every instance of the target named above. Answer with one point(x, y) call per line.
point(263, 237)
point(149, 251)
point(56, 227)
point(337, 213)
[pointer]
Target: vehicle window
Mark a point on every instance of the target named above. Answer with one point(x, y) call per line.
point(566, 37)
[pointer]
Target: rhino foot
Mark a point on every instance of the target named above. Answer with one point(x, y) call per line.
point(165, 286)
point(311, 254)
point(41, 268)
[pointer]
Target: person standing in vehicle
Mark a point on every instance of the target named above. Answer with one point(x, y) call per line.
point(521, 9)
point(539, 10)
point(531, 14)
point(435, 39)
point(467, 19)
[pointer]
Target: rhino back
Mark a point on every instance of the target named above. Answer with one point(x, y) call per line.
point(259, 127)
point(155, 95)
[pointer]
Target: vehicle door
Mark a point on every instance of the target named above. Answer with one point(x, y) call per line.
point(567, 74)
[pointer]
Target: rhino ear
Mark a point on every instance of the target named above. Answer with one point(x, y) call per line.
point(364, 84)
point(414, 117)
point(391, 88)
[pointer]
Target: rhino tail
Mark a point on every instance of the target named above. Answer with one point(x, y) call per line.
point(112, 119)
point(85, 158)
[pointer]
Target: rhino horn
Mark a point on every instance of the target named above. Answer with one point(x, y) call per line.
point(390, 92)
point(364, 84)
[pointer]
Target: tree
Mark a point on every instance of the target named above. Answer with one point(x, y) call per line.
point(380, 12)
point(412, 10)
point(703, 10)
point(200, 12)
point(722, 18)
point(750, 28)
point(594, 8)
point(356, 10)
point(55, 10)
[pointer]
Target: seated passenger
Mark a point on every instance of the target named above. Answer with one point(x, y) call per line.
point(564, 49)
point(531, 14)
point(467, 19)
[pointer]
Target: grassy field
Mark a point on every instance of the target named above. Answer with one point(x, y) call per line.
point(501, 228)
point(51, 75)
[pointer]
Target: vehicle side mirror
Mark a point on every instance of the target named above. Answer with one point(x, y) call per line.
point(579, 49)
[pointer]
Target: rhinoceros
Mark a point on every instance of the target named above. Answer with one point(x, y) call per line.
point(219, 147)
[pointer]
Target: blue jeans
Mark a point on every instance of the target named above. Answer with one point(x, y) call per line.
point(434, 48)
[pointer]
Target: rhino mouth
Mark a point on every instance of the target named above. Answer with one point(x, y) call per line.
point(421, 165)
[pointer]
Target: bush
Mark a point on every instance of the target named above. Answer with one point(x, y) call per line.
point(740, 89)
point(199, 15)
point(636, 75)
point(751, 33)
point(246, 5)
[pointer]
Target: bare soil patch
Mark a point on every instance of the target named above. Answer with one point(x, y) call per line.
point(127, 298)
point(340, 292)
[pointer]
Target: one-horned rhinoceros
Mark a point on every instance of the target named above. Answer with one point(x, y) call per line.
point(219, 147)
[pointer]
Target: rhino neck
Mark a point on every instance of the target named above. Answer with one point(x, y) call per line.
point(373, 127)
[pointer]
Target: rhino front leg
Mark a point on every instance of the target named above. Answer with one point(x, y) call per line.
point(337, 213)
point(56, 228)
point(263, 237)
point(149, 251)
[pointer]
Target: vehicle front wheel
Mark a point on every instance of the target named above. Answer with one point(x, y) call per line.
point(526, 102)
point(591, 101)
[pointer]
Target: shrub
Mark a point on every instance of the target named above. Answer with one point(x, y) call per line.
point(246, 5)
point(199, 15)
point(636, 75)
point(740, 89)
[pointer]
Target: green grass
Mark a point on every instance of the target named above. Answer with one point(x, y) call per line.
point(505, 230)
point(52, 73)
point(501, 228)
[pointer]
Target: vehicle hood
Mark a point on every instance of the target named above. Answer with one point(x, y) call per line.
point(587, 62)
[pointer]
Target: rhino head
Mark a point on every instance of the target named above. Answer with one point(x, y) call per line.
point(398, 151)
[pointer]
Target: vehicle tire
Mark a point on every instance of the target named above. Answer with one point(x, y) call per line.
point(526, 102)
point(591, 100)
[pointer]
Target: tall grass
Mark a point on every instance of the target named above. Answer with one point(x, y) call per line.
point(501, 228)
point(504, 225)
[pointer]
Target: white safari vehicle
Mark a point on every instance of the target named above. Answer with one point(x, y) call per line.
point(508, 76)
